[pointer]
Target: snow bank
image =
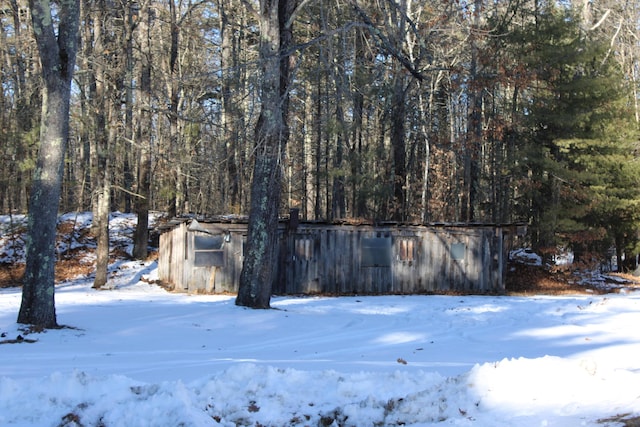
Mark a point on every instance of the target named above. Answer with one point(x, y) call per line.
point(548, 391)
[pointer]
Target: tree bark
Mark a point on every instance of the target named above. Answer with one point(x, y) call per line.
point(336, 67)
point(398, 137)
point(143, 138)
point(102, 232)
point(58, 57)
point(231, 109)
point(271, 138)
point(102, 188)
point(474, 131)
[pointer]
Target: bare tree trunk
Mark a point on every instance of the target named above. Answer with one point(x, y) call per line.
point(258, 269)
point(474, 131)
point(130, 20)
point(318, 124)
point(358, 202)
point(100, 153)
point(101, 221)
point(102, 231)
point(58, 57)
point(230, 114)
point(143, 138)
point(179, 202)
point(338, 196)
point(426, 117)
point(398, 143)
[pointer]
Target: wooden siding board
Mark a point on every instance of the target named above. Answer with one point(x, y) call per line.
point(335, 265)
point(327, 261)
point(340, 241)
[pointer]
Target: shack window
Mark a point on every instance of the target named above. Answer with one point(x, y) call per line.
point(375, 252)
point(303, 249)
point(406, 248)
point(208, 251)
point(458, 251)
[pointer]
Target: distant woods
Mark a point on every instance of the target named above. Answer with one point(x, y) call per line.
point(406, 110)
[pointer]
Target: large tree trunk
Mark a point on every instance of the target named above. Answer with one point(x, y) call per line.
point(474, 132)
point(58, 57)
point(231, 110)
point(338, 194)
point(271, 137)
point(143, 137)
point(101, 220)
point(101, 224)
point(103, 121)
point(398, 137)
point(179, 202)
point(358, 200)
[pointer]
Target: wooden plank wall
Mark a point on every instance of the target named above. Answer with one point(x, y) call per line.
point(330, 259)
point(171, 256)
point(336, 262)
point(215, 279)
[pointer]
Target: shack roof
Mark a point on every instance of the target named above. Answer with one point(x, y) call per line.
point(284, 220)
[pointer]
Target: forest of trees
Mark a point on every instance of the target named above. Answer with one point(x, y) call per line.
point(422, 111)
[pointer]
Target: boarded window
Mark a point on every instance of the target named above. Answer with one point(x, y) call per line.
point(406, 249)
point(303, 249)
point(208, 251)
point(375, 252)
point(458, 251)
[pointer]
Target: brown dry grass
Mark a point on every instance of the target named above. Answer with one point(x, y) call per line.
point(66, 269)
point(528, 279)
point(69, 265)
point(11, 275)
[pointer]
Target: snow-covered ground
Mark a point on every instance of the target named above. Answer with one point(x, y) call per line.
point(137, 355)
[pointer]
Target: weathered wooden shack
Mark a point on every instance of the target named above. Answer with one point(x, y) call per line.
point(341, 259)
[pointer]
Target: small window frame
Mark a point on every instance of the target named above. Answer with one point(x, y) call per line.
point(303, 248)
point(406, 249)
point(376, 251)
point(458, 251)
point(208, 250)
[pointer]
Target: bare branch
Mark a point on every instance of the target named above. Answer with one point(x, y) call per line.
point(385, 44)
point(296, 12)
point(251, 9)
point(604, 17)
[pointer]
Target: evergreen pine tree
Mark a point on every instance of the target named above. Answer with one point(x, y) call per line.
point(582, 142)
